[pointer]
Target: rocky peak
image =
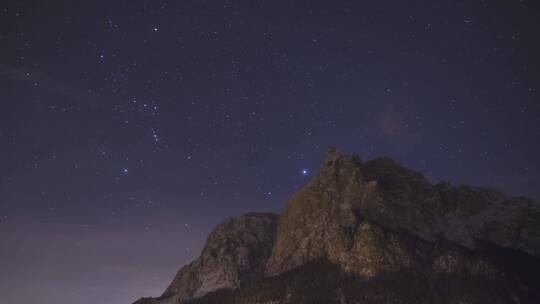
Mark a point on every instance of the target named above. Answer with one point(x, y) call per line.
point(235, 252)
point(393, 236)
point(349, 202)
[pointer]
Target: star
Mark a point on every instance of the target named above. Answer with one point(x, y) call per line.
point(304, 172)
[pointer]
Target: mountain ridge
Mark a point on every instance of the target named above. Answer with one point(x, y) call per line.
point(378, 220)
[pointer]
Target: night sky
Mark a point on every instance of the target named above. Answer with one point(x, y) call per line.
point(128, 129)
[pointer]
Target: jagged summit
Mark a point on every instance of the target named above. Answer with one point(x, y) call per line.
point(235, 253)
point(380, 225)
point(328, 216)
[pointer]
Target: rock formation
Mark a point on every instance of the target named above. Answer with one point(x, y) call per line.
point(372, 232)
point(339, 210)
point(235, 253)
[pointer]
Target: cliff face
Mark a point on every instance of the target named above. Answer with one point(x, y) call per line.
point(235, 253)
point(354, 214)
point(372, 232)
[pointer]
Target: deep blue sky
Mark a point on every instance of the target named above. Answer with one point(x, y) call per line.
point(128, 129)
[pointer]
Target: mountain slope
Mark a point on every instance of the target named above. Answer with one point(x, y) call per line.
point(376, 232)
point(235, 253)
point(334, 214)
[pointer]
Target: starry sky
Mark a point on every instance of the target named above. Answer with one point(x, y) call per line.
point(128, 129)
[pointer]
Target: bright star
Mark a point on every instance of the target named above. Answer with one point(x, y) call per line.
point(305, 172)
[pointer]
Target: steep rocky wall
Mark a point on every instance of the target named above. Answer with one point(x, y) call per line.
point(388, 235)
point(235, 252)
point(334, 214)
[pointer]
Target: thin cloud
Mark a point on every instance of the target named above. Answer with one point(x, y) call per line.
point(395, 128)
point(59, 88)
point(48, 83)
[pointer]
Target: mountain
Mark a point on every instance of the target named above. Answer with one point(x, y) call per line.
point(372, 232)
point(235, 253)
